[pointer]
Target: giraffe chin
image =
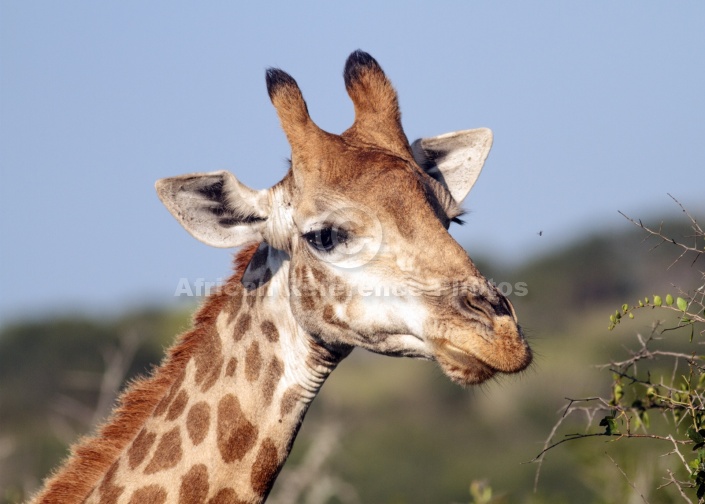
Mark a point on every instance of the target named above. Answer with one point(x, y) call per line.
point(461, 367)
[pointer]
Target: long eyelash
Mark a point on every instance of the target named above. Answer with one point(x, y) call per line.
point(457, 218)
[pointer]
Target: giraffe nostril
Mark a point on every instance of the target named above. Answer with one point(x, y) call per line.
point(478, 306)
point(504, 308)
point(483, 307)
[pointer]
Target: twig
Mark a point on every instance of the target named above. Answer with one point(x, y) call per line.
point(117, 364)
point(627, 478)
point(568, 410)
point(678, 484)
point(571, 437)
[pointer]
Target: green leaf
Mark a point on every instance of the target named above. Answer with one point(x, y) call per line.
point(669, 299)
point(610, 425)
point(694, 435)
point(618, 392)
point(701, 380)
point(657, 301)
point(625, 308)
point(481, 492)
point(631, 315)
point(682, 304)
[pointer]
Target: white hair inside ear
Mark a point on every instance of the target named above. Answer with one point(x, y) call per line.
point(216, 208)
point(454, 159)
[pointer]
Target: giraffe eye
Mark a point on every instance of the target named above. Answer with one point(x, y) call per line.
point(326, 239)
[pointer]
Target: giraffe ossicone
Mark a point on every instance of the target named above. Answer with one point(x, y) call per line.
point(350, 249)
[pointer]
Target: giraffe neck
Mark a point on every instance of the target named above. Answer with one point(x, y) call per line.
point(224, 425)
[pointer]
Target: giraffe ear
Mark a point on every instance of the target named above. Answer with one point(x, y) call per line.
point(215, 207)
point(454, 159)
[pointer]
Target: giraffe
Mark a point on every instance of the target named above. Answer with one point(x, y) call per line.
point(350, 249)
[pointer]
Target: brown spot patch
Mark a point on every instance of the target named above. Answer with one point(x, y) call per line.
point(194, 485)
point(274, 372)
point(109, 476)
point(270, 331)
point(152, 494)
point(242, 326)
point(140, 447)
point(214, 374)
point(232, 366)
point(168, 452)
point(289, 400)
point(341, 292)
point(265, 468)
point(235, 304)
point(298, 275)
point(209, 354)
point(319, 276)
point(226, 496)
point(236, 435)
point(177, 406)
point(109, 491)
point(164, 403)
point(198, 422)
point(306, 301)
point(253, 362)
point(330, 317)
point(310, 297)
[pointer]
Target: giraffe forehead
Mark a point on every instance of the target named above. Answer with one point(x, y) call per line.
point(395, 191)
point(337, 159)
point(343, 167)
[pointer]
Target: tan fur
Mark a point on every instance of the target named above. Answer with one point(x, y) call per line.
point(377, 114)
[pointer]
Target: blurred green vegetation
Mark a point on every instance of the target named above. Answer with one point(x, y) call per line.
point(50, 384)
point(406, 433)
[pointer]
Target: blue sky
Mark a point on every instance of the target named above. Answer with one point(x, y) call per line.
point(595, 106)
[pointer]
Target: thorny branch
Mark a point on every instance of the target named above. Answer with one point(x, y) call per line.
point(698, 233)
point(629, 482)
point(664, 401)
point(682, 398)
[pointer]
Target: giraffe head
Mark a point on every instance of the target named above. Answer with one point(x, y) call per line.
point(355, 237)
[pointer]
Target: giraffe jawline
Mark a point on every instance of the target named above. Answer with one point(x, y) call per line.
point(461, 367)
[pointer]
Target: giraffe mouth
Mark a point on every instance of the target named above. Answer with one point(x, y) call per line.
point(460, 366)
